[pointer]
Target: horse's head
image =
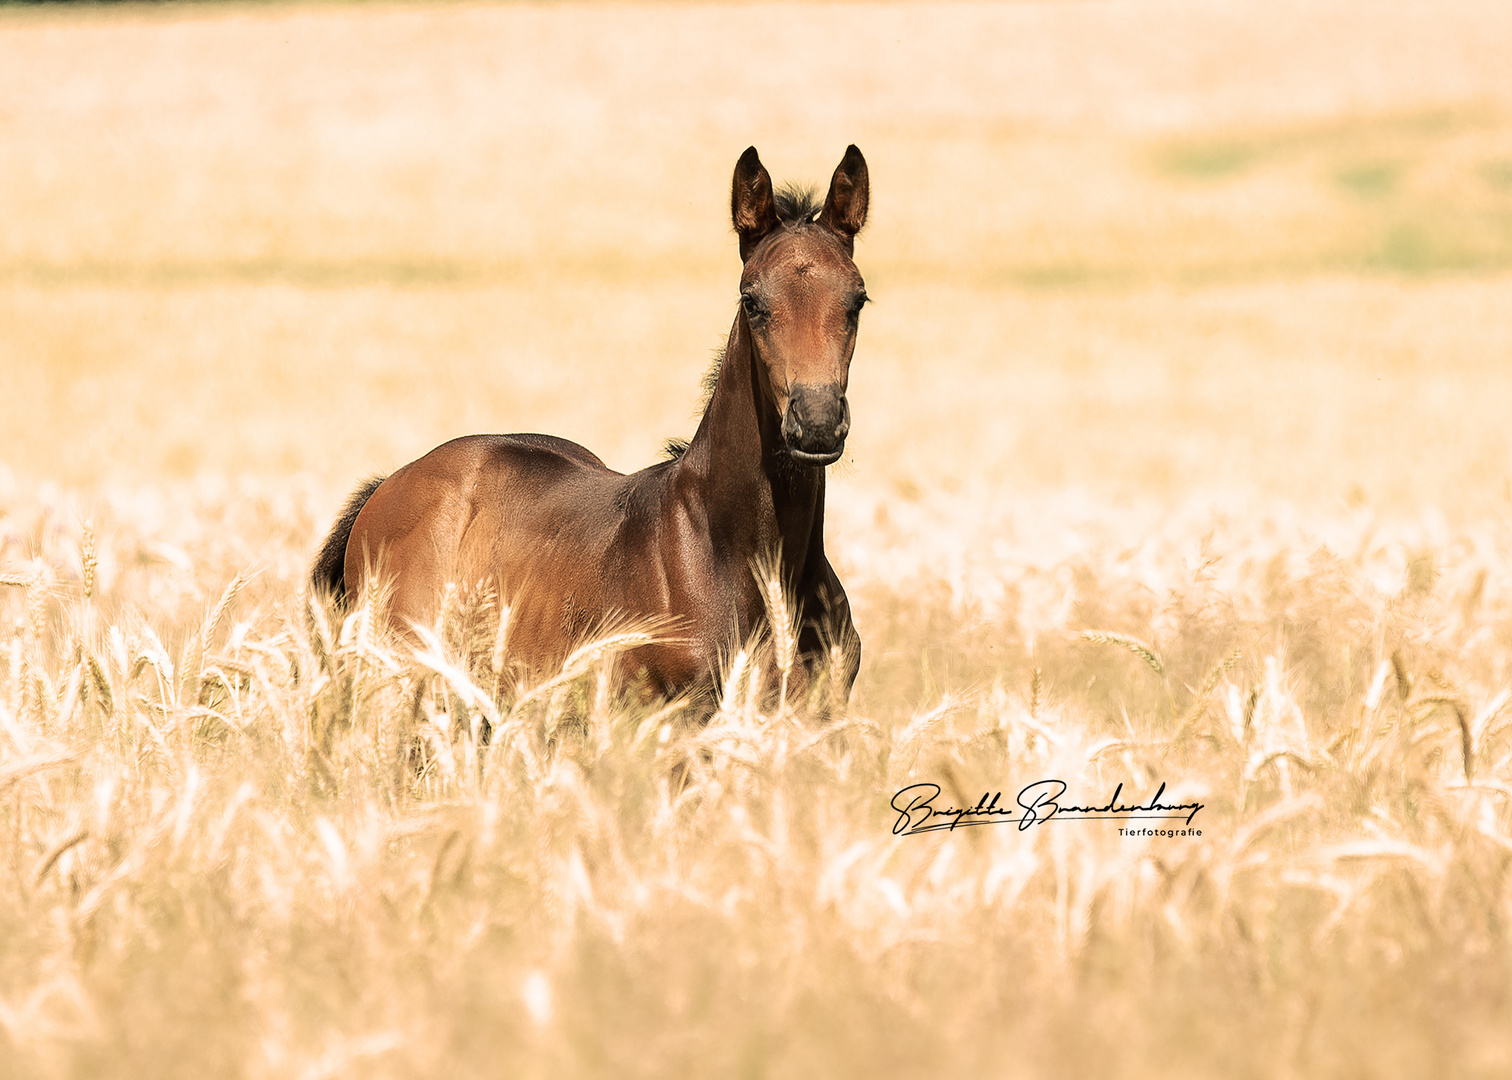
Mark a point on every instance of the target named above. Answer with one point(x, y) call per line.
point(801, 299)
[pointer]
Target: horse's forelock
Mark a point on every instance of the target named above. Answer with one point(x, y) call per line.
point(798, 204)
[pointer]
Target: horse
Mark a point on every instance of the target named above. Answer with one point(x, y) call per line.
point(570, 546)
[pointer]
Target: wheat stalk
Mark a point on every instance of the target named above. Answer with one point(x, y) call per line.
point(582, 659)
point(779, 618)
point(732, 684)
point(88, 560)
point(51, 858)
point(837, 692)
point(1399, 670)
point(501, 637)
point(1209, 684)
point(36, 606)
point(1129, 644)
point(1425, 707)
point(101, 683)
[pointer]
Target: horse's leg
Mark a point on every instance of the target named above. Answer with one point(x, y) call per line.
point(829, 648)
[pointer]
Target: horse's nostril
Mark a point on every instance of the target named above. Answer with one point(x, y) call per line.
point(817, 420)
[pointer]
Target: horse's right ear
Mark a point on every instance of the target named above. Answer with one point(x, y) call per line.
point(752, 207)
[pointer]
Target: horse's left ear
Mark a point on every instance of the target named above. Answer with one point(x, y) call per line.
point(845, 205)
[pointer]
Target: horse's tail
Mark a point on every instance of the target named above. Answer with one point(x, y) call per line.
point(329, 572)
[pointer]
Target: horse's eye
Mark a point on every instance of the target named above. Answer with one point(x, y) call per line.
point(853, 313)
point(755, 310)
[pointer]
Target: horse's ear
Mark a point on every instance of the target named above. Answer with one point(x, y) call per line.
point(850, 190)
point(751, 205)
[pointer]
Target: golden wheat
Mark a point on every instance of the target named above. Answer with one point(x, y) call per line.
point(1220, 364)
point(279, 777)
point(1128, 643)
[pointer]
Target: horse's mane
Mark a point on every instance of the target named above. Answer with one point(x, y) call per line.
point(675, 448)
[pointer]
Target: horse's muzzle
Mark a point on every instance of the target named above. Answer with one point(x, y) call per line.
point(815, 424)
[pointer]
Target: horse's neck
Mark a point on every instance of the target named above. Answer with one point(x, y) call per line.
point(756, 498)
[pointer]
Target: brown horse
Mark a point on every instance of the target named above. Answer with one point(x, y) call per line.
point(572, 546)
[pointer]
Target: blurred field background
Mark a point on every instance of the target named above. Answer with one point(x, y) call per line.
point(1132, 247)
point(1193, 324)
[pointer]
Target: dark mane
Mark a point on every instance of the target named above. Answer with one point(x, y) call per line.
point(674, 448)
point(797, 204)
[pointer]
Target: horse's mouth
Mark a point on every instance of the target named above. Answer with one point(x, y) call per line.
point(803, 457)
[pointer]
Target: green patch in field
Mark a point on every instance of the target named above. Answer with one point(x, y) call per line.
point(1064, 275)
point(1208, 160)
point(1434, 241)
point(1418, 247)
point(1411, 247)
point(1367, 140)
point(1498, 173)
point(1369, 180)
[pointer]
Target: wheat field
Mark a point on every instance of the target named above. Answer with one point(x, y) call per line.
point(1180, 456)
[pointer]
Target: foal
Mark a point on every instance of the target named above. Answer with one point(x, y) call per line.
point(572, 546)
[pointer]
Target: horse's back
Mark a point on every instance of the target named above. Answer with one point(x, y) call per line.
point(463, 466)
point(412, 527)
point(526, 451)
point(530, 445)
